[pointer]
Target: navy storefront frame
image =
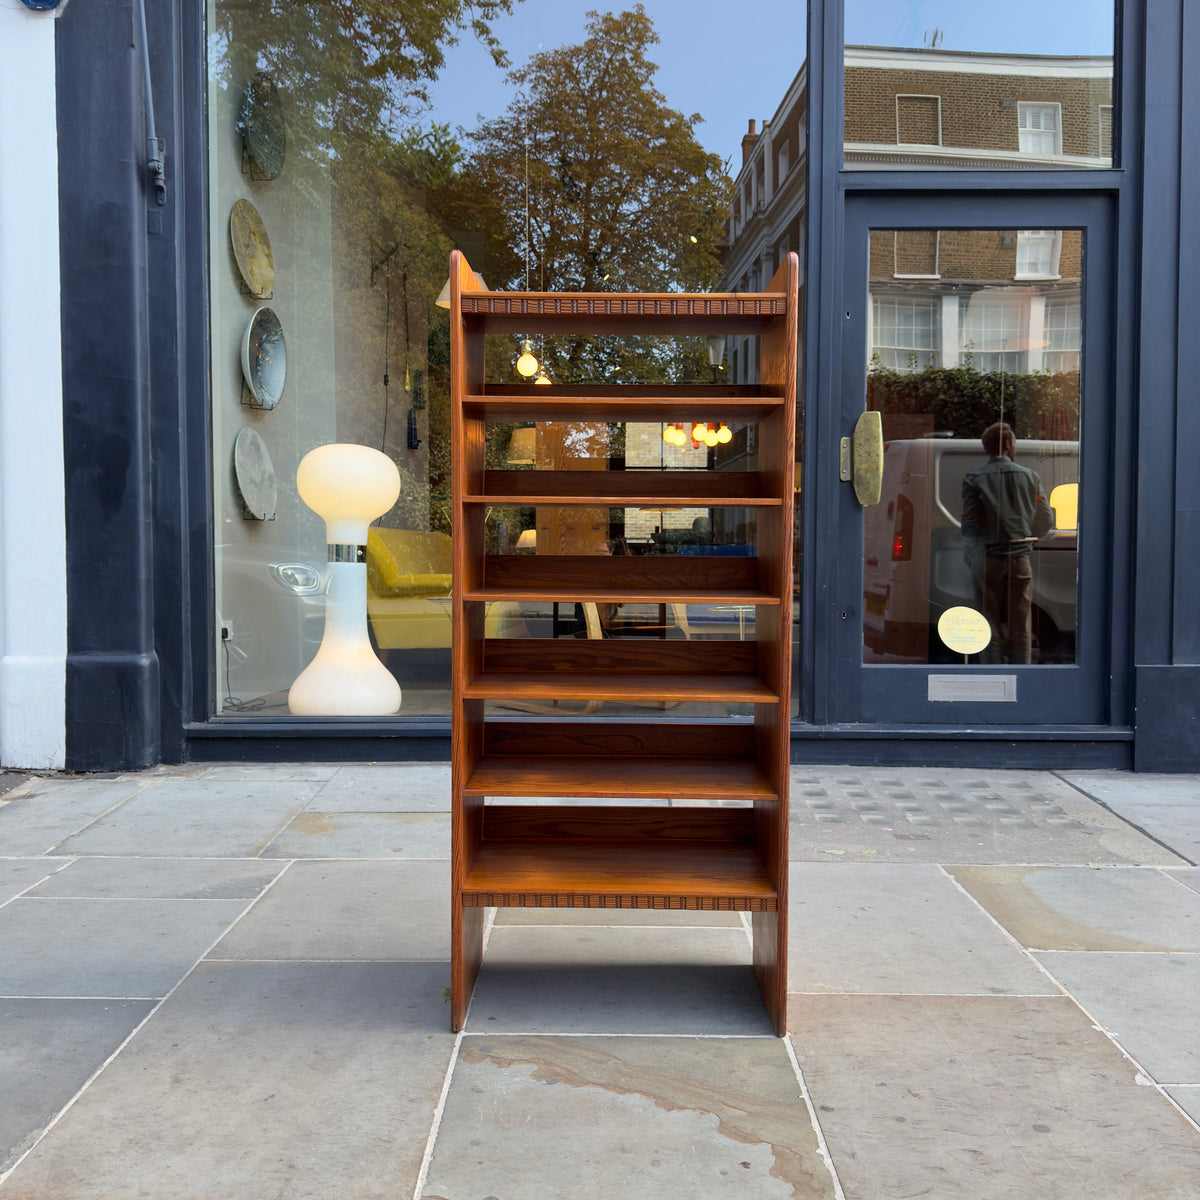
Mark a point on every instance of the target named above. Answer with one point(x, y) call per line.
point(135, 295)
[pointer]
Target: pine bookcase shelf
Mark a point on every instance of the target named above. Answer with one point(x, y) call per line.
point(645, 778)
point(721, 844)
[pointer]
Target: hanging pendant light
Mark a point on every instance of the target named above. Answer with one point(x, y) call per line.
point(724, 434)
point(542, 377)
point(527, 363)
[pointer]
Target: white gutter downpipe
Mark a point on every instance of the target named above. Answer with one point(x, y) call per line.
point(33, 587)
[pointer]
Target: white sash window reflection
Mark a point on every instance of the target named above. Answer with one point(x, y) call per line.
point(904, 333)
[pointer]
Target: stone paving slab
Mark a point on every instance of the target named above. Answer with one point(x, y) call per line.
point(985, 1099)
point(1079, 908)
point(957, 815)
point(1188, 1098)
point(1149, 1003)
point(48, 1051)
point(106, 948)
point(196, 818)
point(571, 979)
point(1188, 876)
point(37, 823)
point(14, 781)
point(901, 928)
point(18, 875)
point(275, 772)
point(161, 879)
point(1167, 807)
point(1127, 787)
point(308, 1081)
point(599, 1117)
point(391, 787)
point(363, 835)
point(348, 910)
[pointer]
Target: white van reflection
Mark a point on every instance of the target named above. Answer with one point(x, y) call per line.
point(270, 621)
point(915, 556)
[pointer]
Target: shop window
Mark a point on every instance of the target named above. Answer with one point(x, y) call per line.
point(350, 149)
point(954, 511)
point(986, 93)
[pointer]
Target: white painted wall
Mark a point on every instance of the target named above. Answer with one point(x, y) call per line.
point(33, 591)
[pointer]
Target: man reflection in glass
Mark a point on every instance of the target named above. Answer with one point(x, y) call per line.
point(1003, 515)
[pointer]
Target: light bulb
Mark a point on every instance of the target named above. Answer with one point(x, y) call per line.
point(710, 435)
point(724, 433)
point(680, 437)
point(527, 363)
point(542, 377)
point(669, 434)
point(698, 431)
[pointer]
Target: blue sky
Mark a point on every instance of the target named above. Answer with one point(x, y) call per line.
point(1008, 26)
point(702, 60)
point(733, 61)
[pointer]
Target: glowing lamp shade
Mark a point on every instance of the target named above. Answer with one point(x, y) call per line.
point(1064, 499)
point(349, 486)
point(522, 447)
point(527, 363)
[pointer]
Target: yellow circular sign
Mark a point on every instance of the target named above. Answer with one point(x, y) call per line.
point(964, 630)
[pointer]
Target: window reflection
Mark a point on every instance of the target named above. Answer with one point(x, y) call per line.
point(985, 349)
point(936, 85)
point(359, 145)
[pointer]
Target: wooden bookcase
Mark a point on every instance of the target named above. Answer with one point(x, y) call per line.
point(576, 855)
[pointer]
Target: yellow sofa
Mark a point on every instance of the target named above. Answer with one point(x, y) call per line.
point(408, 591)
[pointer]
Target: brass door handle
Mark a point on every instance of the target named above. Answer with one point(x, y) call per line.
point(861, 460)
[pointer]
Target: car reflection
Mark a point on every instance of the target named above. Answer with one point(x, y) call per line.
point(915, 556)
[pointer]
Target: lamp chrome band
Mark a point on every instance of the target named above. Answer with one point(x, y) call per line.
point(346, 552)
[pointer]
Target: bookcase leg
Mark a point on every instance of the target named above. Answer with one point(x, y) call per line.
point(770, 965)
point(466, 957)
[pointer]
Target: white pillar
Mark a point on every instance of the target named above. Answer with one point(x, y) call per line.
point(949, 330)
point(1036, 332)
point(768, 153)
point(33, 592)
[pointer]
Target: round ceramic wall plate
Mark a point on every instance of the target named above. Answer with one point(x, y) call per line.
point(261, 124)
point(252, 249)
point(255, 474)
point(264, 358)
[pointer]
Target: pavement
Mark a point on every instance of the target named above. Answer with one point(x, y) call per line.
point(229, 982)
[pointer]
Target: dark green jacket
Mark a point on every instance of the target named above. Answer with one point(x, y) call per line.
point(1003, 507)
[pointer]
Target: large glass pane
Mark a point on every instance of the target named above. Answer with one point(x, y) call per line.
point(938, 84)
point(975, 371)
point(351, 148)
